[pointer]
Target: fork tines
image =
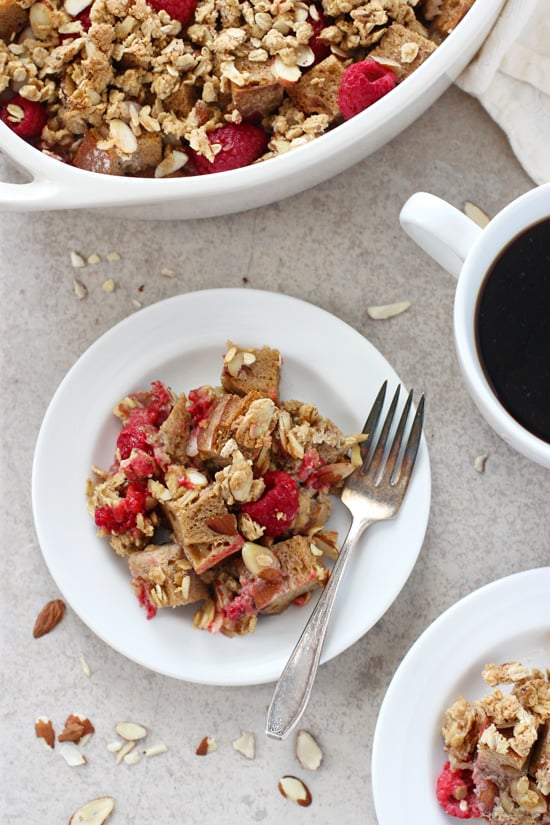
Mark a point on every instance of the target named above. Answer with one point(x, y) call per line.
point(399, 463)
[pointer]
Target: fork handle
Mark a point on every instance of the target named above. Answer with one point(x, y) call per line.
point(294, 687)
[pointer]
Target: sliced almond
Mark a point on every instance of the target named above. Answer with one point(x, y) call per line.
point(308, 751)
point(123, 136)
point(295, 790)
point(85, 666)
point(124, 751)
point(44, 730)
point(246, 744)
point(206, 745)
point(479, 462)
point(77, 729)
point(234, 366)
point(476, 214)
point(155, 750)
point(131, 731)
point(74, 7)
point(133, 757)
point(95, 812)
point(71, 754)
point(77, 261)
point(285, 74)
point(304, 56)
point(258, 558)
point(384, 311)
point(114, 747)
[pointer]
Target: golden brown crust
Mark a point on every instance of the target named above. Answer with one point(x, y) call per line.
point(402, 50)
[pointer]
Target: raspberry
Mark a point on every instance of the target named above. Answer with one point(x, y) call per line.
point(122, 516)
point(447, 784)
point(138, 433)
point(142, 593)
point(362, 84)
point(139, 466)
point(182, 10)
point(241, 144)
point(201, 401)
point(277, 508)
point(319, 48)
point(34, 118)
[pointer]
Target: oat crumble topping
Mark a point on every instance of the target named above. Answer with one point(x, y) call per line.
point(126, 89)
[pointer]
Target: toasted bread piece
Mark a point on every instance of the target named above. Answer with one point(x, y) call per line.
point(251, 370)
point(215, 429)
point(447, 17)
point(167, 576)
point(405, 48)
point(181, 101)
point(174, 432)
point(261, 94)
point(189, 519)
point(301, 571)
point(13, 18)
point(316, 93)
point(92, 157)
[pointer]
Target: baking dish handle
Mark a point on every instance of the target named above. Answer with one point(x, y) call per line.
point(37, 194)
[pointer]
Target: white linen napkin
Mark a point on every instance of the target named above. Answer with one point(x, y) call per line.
point(510, 76)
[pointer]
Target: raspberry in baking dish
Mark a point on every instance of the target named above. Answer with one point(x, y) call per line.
point(240, 482)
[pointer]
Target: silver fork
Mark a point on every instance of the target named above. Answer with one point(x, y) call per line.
point(373, 492)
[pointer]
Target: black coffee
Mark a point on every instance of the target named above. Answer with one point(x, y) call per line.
point(513, 328)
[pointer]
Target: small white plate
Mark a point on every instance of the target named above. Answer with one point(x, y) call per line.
point(181, 341)
point(507, 620)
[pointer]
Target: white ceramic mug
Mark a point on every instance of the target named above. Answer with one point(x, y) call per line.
point(468, 252)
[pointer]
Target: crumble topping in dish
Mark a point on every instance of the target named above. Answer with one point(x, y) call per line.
point(499, 751)
point(160, 88)
point(241, 482)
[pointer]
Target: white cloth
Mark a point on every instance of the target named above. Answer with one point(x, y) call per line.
point(510, 76)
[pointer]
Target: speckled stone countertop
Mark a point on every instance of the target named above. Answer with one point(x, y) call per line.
point(339, 246)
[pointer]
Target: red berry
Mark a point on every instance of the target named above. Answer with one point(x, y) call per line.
point(182, 10)
point(277, 508)
point(362, 84)
point(123, 516)
point(319, 48)
point(448, 782)
point(29, 125)
point(241, 144)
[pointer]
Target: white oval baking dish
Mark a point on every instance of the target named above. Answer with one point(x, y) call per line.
point(55, 185)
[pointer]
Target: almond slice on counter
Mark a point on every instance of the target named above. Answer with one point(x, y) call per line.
point(72, 756)
point(246, 744)
point(124, 751)
point(44, 730)
point(206, 745)
point(384, 311)
point(476, 214)
point(308, 751)
point(131, 731)
point(95, 812)
point(294, 789)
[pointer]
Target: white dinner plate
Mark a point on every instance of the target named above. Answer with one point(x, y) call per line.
point(507, 620)
point(181, 341)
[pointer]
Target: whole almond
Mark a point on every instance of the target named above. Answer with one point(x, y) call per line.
point(50, 616)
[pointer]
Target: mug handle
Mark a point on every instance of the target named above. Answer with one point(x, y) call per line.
point(440, 229)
